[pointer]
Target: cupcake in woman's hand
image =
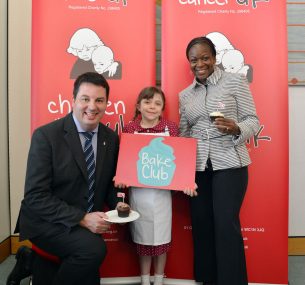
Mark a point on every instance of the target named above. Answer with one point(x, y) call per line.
point(123, 210)
point(215, 115)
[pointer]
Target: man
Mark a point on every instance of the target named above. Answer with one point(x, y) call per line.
point(61, 212)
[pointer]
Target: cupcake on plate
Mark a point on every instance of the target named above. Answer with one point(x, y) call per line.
point(123, 210)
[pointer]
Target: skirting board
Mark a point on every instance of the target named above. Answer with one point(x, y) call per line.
point(15, 244)
point(5, 249)
point(167, 281)
point(296, 246)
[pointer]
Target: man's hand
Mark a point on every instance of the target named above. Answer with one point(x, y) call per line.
point(95, 222)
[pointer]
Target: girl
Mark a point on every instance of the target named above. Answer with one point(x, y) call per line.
point(152, 231)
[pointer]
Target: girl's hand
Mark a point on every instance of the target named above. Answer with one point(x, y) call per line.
point(119, 185)
point(191, 191)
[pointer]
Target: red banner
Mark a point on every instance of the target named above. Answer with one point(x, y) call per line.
point(115, 38)
point(250, 38)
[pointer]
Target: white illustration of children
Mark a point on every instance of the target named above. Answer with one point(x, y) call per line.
point(222, 45)
point(102, 58)
point(82, 45)
point(83, 42)
point(233, 61)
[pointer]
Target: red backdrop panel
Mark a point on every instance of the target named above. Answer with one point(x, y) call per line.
point(127, 28)
point(258, 30)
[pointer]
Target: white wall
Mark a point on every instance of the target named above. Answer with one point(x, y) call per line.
point(4, 186)
point(297, 161)
point(19, 98)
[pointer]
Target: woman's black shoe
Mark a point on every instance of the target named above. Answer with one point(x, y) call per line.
point(23, 266)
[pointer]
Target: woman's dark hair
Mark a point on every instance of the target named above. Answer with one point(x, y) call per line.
point(201, 40)
point(148, 93)
point(90, 77)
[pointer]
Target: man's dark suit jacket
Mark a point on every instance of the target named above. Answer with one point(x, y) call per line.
point(56, 186)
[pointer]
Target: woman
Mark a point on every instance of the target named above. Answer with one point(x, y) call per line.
point(221, 167)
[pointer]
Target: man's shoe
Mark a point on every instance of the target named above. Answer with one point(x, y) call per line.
point(23, 266)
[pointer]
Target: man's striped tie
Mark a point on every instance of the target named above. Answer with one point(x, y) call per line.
point(90, 161)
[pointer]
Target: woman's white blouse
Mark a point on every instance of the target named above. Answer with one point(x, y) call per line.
point(228, 93)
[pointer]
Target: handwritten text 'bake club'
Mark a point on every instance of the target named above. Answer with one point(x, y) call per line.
point(155, 166)
point(221, 2)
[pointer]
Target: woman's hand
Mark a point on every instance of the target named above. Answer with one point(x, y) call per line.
point(227, 126)
point(191, 191)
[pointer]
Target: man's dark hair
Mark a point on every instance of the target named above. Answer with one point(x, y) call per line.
point(90, 77)
point(201, 40)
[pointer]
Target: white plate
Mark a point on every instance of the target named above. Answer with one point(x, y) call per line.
point(114, 218)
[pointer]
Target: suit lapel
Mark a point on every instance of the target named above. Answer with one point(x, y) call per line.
point(73, 141)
